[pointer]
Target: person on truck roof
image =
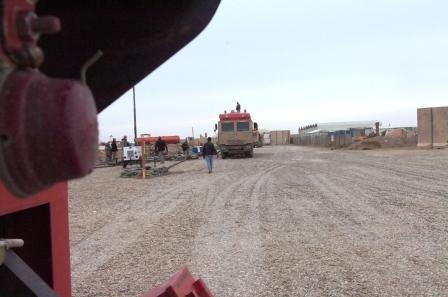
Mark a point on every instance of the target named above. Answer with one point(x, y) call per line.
point(238, 107)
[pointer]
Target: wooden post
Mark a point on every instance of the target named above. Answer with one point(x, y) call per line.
point(135, 115)
point(143, 159)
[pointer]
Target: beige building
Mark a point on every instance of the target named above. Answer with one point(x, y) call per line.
point(432, 125)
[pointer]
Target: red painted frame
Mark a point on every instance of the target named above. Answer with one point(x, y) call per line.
point(57, 198)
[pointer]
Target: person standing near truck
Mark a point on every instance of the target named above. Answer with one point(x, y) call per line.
point(208, 150)
point(160, 148)
point(186, 148)
point(124, 142)
point(108, 150)
point(114, 150)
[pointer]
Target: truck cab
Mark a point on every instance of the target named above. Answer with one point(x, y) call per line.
point(237, 134)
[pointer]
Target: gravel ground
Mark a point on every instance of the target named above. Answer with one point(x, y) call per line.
point(292, 221)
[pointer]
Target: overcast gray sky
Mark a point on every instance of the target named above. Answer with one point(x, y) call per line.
point(297, 62)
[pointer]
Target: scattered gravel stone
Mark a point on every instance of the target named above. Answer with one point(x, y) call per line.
point(292, 221)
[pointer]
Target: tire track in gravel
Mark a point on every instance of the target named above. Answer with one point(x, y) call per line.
point(140, 202)
point(397, 184)
point(153, 257)
point(123, 230)
point(356, 210)
point(421, 219)
point(228, 250)
point(292, 221)
point(407, 175)
point(330, 251)
point(395, 194)
point(283, 244)
point(109, 197)
point(315, 243)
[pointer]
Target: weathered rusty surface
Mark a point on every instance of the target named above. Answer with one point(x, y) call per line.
point(136, 37)
point(48, 130)
point(22, 28)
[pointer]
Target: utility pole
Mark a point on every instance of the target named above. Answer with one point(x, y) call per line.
point(135, 116)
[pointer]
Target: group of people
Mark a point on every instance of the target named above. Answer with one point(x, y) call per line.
point(208, 151)
point(161, 148)
point(112, 149)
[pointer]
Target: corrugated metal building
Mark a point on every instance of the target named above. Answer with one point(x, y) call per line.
point(338, 134)
point(338, 126)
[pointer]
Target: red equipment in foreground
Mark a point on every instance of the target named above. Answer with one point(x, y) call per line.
point(42, 222)
point(48, 126)
point(182, 284)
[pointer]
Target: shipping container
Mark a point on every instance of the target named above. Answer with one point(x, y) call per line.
point(280, 137)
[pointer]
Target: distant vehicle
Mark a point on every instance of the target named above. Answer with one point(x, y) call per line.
point(237, 134)
point(267, 138)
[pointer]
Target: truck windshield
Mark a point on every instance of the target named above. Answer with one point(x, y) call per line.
point(227, 127)
point(242, 126)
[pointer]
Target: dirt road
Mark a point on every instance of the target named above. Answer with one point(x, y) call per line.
point(292, 221)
